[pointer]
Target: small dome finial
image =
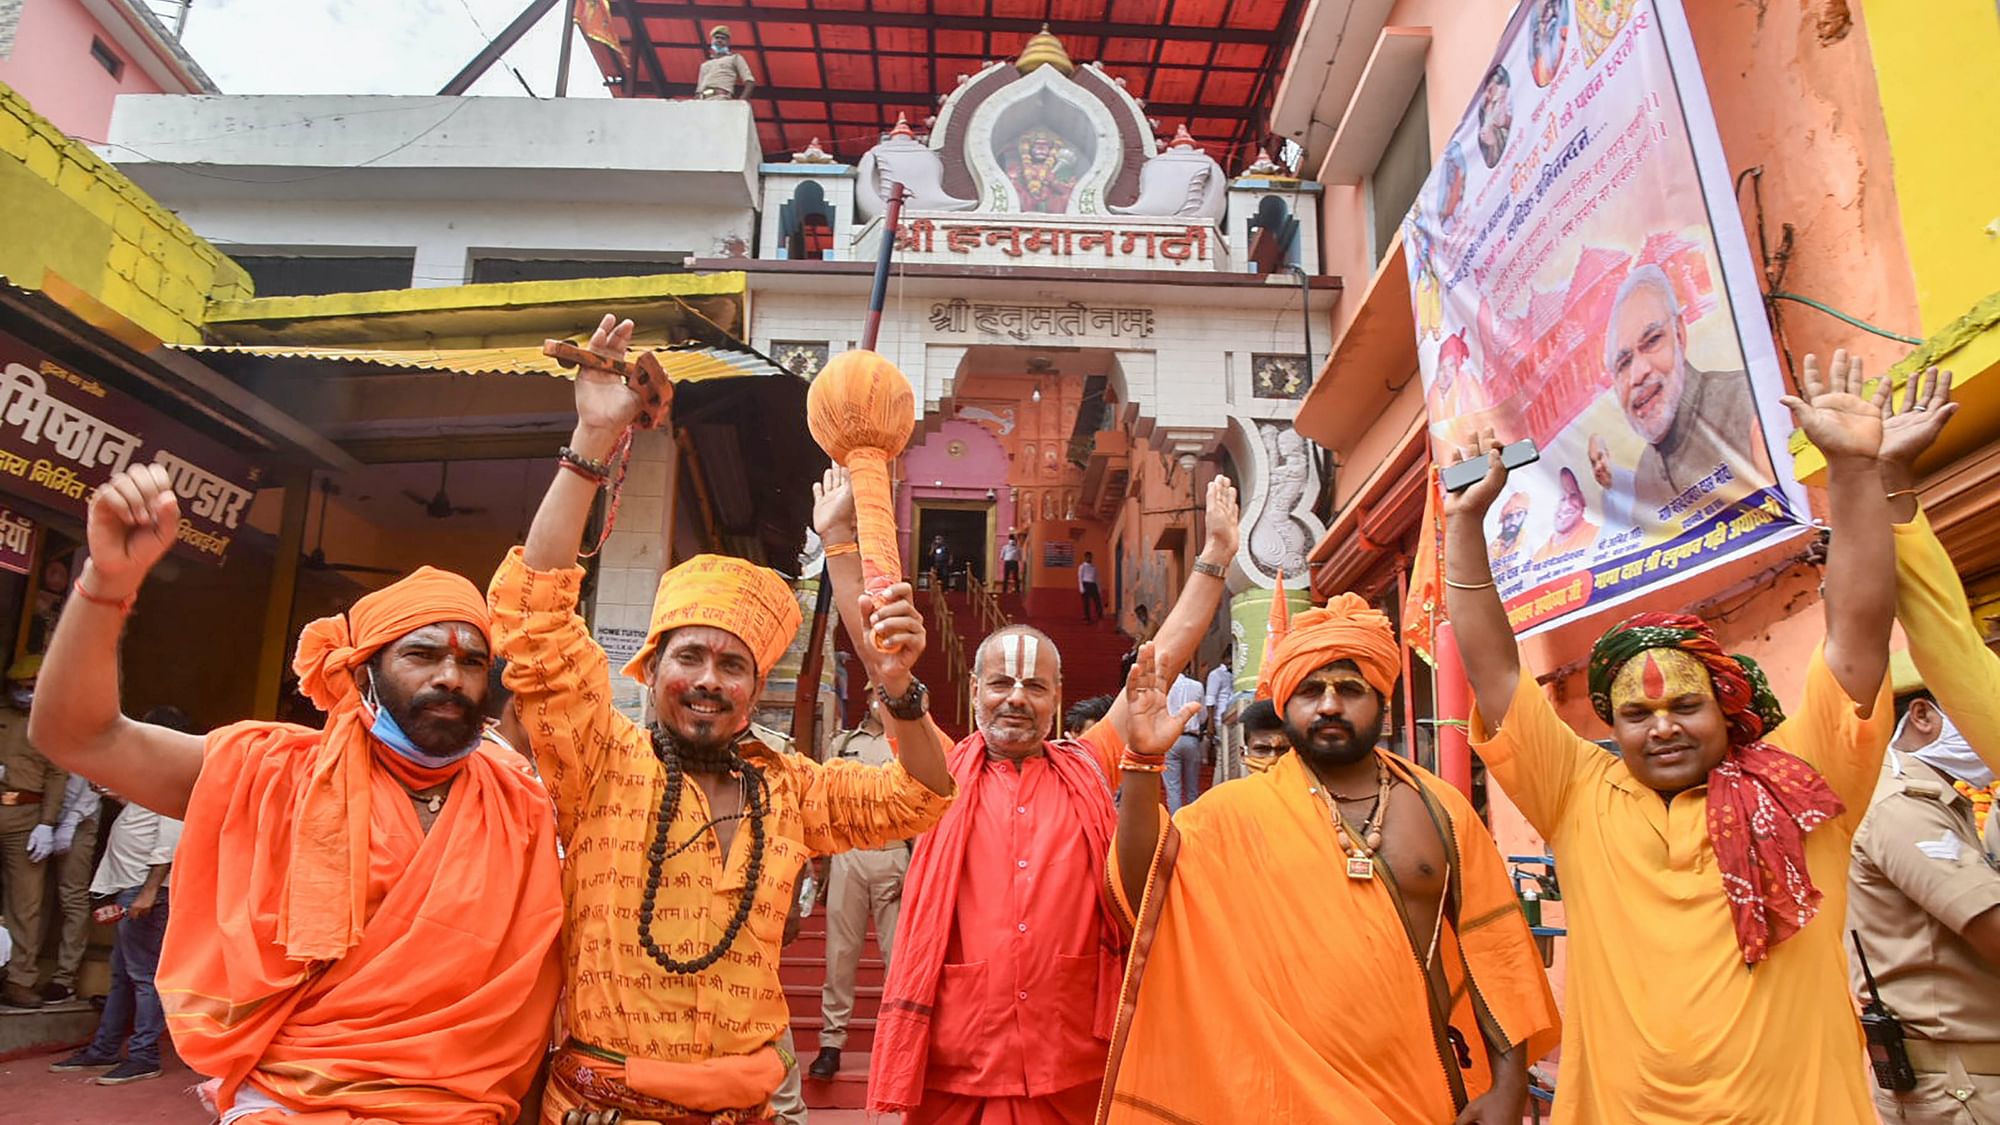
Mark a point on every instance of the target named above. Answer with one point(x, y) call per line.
point(1044, 49)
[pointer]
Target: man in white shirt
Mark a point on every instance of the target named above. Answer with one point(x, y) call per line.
point(1218, 691)
point(138, 857)
point(1010, 565)
point(1183, 777)
point(1086, 584)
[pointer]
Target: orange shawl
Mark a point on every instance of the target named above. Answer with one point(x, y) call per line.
point(1304, 984)
point(323, 944)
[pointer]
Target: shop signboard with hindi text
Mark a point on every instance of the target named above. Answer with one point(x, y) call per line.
point(63, 433)
point(1580, 277)
point(17, 541)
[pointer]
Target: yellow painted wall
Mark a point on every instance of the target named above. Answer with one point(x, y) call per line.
point(1935, 64)
point(76, 228)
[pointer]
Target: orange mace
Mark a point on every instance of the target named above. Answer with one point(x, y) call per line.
point(861, 409)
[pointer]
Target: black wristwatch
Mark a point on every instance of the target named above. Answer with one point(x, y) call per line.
point(911, 705)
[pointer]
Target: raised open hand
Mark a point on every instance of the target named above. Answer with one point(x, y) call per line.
point(1152, 726)
point(132, 522)
point(1473, 502)
point(1833, 414)
point(1927, 407)
point(1223, 519)
point(603, 400)
point(833, 506)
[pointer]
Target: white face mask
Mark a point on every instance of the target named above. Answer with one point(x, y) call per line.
point(1952, 754)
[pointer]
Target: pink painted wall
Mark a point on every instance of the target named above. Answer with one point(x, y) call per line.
point(51, 65)
point(981, 464)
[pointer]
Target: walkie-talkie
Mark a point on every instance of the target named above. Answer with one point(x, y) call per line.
point(1886, 1054)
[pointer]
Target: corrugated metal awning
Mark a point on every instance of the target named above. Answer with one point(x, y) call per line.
point(684, 363)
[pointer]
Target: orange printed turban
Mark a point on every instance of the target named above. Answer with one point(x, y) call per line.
point(738, 597)
point(325, 897)
point(1347, 628)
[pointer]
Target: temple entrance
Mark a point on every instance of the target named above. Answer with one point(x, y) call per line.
point(964, 532)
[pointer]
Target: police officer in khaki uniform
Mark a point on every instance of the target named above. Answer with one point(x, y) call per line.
point(1924, 898)
point(723, 76)
point(31, 802)
point(859, 884)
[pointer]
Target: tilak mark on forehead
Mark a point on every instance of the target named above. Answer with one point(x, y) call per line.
point(1659, 676)
point(1018, 655)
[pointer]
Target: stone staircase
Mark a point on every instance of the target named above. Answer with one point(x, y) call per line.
point(802, 971)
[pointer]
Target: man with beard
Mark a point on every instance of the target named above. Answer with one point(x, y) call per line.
point(1513, 522)
point(1694, 422)
point(1496, 115)
point(1704, 866)
point(365, 916)
point(1343, 910)
point(1573, 533)
point(683, 841)
point(999, 1008)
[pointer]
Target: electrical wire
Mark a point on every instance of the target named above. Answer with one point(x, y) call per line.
point(1782, 295)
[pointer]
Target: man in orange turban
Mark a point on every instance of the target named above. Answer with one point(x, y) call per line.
point(364, 917)
point(1344, 912)
point(684, 838)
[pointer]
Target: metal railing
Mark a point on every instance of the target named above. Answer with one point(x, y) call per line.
point(944, 633)
point(985, 604)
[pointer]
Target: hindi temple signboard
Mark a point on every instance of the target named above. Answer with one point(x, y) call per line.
point(62, 434)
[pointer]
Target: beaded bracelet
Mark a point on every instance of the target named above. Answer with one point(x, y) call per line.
point(1135, 762)
point(599, 471)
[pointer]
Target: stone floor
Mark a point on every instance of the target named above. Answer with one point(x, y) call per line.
point(33, 1096)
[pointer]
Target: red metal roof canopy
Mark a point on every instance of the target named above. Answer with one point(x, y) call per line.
point(841, 70)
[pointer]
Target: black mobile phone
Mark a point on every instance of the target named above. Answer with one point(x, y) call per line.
point(1472, 470)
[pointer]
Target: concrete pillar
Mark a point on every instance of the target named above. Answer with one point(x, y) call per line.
point(631, 562)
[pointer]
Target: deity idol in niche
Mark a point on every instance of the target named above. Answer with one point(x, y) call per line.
point(1044, 168)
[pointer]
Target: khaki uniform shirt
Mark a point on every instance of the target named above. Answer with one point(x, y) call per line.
point(27, 770)
point(1920, 874)
point(724, 74)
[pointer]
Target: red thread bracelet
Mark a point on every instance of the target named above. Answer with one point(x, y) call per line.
point(124, 606)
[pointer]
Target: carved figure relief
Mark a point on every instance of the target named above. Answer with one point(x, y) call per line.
point(1278, 537)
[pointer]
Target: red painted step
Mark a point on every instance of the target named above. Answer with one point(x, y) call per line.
point(803, 1000)
point(860, 1039)
point(811, 971)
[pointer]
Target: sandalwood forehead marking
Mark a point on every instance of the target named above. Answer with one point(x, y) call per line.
point(1659, 676)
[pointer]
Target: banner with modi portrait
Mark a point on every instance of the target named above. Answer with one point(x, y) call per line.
point(1580, 278)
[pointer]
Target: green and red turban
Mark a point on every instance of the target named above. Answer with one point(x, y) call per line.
point(1761, 800)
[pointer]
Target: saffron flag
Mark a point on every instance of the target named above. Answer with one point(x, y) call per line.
point(1275, 629)
point(593, 18)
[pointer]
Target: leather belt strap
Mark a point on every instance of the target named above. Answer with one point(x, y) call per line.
point(1934, 1056)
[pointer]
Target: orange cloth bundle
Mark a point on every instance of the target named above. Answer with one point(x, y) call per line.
point(861, 410)
point(1348, 628)
point(731, 594)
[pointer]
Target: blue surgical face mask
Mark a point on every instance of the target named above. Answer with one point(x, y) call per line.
point(389, 733)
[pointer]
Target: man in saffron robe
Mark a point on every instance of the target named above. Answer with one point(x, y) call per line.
point(1343, 914)
point(999, 1007)
point(1704, 867)
point(365, 916)
point(683, 841)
